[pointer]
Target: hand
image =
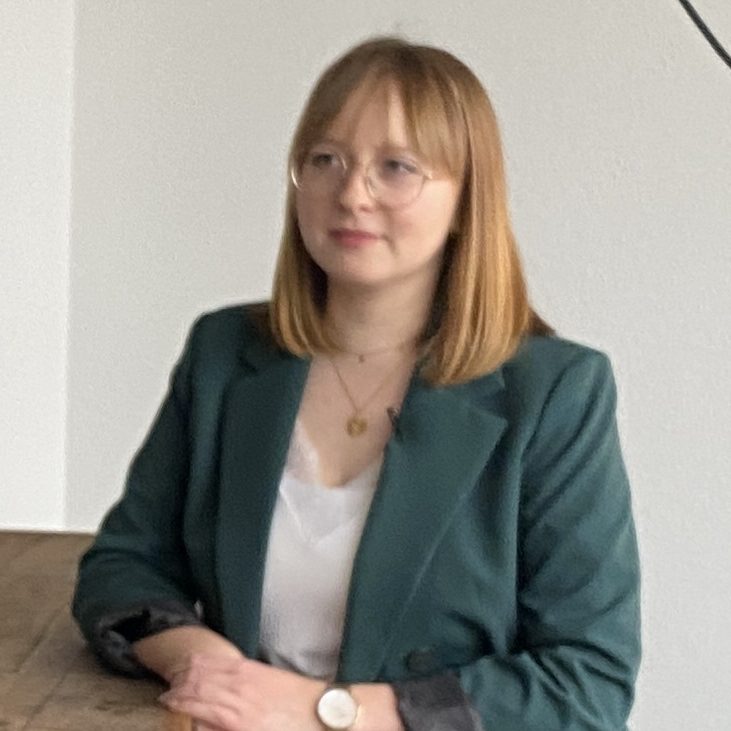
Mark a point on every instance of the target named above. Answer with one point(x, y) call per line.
point(238, 694)
point(166, 652)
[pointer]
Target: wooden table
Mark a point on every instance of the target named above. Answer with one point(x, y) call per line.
point(49, 680)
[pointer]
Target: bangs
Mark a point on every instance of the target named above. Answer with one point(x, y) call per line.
point(434, 120)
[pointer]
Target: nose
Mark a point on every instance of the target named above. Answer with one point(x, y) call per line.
point(354, 191)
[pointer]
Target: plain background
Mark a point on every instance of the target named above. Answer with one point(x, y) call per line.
point(142, 169)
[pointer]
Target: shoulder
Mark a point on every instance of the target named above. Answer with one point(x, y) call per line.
point(239, 323)
point(541, 360)
point(224, 338)
point(550, 369)
point(234, 326)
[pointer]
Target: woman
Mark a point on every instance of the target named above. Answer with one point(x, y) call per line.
point(390, 498)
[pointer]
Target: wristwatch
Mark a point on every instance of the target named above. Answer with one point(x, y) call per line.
point(337, 710)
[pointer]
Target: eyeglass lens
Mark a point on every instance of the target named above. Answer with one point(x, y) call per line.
point(392, 179)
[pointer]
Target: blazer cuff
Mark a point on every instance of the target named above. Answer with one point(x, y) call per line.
point(114, 633)
point(436, 703)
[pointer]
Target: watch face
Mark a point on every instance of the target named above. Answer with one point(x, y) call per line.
point(337, 709)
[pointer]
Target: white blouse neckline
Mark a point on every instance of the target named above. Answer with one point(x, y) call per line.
point(303, 463)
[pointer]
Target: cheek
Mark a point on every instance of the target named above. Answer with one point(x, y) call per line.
point(310, 220)
point(303, 213)
point(426, 227)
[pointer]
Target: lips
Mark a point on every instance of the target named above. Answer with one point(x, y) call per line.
point(352, 236)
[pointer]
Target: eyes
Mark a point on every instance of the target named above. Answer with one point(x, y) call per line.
point(393, 178)
point(385, 166)
point(400, 166)
point(323, 160)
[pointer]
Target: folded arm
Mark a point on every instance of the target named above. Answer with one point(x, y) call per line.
point(578, 594)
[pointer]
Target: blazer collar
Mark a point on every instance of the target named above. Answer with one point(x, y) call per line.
point(442, 441)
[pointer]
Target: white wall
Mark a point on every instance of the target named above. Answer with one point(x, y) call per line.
point(615, 123)
point(36, 63)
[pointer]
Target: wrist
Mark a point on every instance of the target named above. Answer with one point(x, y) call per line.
point(166, 652)
point(378, 707)
point(337, 709)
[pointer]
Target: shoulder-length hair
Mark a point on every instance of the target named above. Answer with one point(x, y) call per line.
point(480, 310)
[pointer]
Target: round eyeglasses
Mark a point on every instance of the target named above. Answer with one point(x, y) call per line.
point(393, 180)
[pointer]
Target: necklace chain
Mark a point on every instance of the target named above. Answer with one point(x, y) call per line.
point(362, 355)
point(357, 424)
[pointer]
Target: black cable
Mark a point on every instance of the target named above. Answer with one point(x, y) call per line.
point(717, 47)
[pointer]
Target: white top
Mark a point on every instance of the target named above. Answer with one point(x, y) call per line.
point(314, 535)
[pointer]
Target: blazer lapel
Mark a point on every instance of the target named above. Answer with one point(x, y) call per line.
point(260, 408)
point(444, 439)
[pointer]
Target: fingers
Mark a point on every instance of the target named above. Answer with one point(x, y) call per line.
point(203, 663)
point(205, 691)
point(210, 690)
point(200, 674)
point(238, 694)
point(207, 715)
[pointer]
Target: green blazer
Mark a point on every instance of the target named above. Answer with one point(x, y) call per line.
point(499, 545)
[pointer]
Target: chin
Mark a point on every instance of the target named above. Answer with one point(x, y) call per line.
point(356, 280)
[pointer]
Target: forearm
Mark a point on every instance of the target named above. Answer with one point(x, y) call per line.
point(166, 651)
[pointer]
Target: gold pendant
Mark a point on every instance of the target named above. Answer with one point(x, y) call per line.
point(356, 426)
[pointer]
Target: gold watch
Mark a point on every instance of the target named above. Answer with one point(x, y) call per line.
point(337, 710)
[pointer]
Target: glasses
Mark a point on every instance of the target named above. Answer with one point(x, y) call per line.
point(393, 180)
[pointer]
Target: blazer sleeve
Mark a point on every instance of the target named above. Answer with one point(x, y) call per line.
point(135, 577)
point(578, 645)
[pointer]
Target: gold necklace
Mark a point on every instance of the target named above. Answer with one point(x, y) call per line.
point(361, 355)
point(357, 424)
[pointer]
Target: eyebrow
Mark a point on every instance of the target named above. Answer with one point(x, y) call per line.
point(388, 147)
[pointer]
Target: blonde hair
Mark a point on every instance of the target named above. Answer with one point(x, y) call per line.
point(480, 310)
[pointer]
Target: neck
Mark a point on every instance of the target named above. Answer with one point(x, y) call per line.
point(364, 322)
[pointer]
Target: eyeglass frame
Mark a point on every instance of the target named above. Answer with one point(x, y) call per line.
point(425, 175)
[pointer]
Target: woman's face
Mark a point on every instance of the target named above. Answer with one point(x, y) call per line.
point(359, 242)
